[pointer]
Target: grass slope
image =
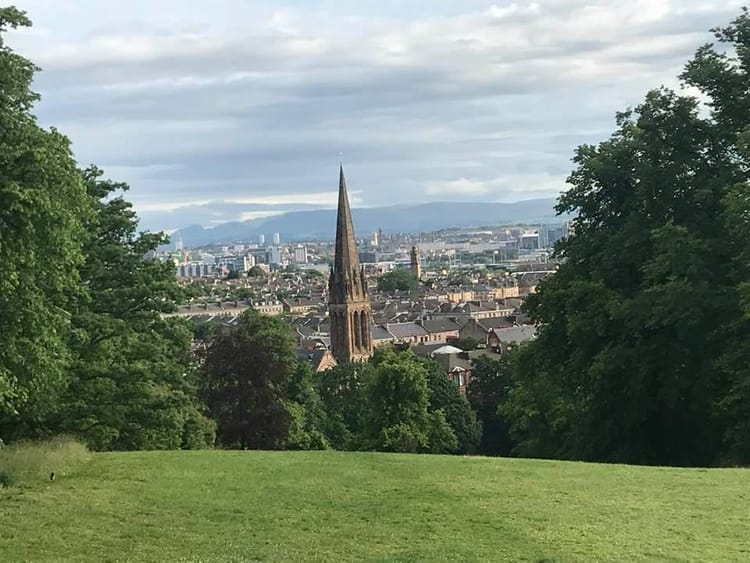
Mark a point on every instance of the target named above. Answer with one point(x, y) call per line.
point(231, 506)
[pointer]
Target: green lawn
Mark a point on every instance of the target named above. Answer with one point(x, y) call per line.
point(330, 506)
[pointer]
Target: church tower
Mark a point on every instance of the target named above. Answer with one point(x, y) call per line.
point(348, 304)
point(416, 268)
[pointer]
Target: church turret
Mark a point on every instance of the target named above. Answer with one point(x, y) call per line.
point(349, 305)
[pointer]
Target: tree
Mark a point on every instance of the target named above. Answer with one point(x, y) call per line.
point(642, 352)
point(491, 381)
point(309, 419)
point(400, 279)
point(343, 391)
point(246, 371)
point(132, 382)
point(461, 419)
point(42, 206)
point(399, 418)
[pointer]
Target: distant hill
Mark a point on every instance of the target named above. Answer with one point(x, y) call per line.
point(320, 224)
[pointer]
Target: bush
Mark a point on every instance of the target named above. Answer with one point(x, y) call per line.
point(26, 462)
point(403, 438)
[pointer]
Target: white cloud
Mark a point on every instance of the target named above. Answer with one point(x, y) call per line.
point(460, 186)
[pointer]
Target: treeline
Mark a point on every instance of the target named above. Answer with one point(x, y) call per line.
point(261, 397)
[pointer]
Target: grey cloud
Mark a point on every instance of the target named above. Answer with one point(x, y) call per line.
point(195, 114)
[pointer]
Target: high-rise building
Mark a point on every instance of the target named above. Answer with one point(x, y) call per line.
point(300, 254)
point(274, 255)
point(261, 239)
point(276, 239)
point(348, 304)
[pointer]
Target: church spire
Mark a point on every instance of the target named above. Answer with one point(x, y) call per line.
point(346, 260)
point(348, 305)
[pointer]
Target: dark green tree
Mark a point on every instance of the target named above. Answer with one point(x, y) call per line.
point(42, 206)
point(723, 75)
point(133, 382)
point(642, 354)
point(444, 395)
point(491, 380)
point(246, 373)
point(309, 419)
point(343, 391)
point(400, 279)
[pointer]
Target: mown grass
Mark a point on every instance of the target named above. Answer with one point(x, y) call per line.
point(24, 463)
point(331, 506)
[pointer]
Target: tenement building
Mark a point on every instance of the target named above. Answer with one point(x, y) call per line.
point(349, 305)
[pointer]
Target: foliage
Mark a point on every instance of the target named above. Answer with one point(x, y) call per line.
point(343, 392)
point(132, 383)
point(42, 205)
point(398, 403)
point(642, 353)
point(23, 463)
point(454, 408)
point(491, 380)
point(400, 279)
point(256, 272)
point(334, 506)
point(466, 343)
point(309, 419)
point(246, 370)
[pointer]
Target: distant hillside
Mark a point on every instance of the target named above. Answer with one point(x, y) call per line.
point(320, 223)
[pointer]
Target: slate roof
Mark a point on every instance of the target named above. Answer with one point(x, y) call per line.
point(380, 333)
point(440, 324)
point(406, 330)
point(516, 334)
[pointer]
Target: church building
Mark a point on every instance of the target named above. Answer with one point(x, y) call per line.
point(348, 303)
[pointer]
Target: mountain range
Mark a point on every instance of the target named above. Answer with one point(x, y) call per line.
point(320, 224)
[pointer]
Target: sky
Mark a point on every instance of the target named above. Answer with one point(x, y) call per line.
point(239, 109)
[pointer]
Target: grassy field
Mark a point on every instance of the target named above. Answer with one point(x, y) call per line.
point(329, 506)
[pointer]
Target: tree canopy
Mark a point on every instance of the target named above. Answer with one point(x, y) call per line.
point(399, 279)
point(43, 206)
point(642, 352)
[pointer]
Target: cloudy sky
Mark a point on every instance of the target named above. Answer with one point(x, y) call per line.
point(235, 109)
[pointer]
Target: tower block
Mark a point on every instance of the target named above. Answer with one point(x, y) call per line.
point(348, 304)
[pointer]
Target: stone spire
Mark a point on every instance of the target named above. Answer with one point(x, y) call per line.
point(348, 304)
point(346, 259)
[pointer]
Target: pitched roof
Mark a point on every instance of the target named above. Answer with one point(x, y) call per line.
point(440, 324)
point(380, 333)
point(406, 330)
point(515, 334)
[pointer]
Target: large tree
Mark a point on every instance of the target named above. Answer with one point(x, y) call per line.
point(398, 407)
point(42, 204)
point(133, 381)
point(247, 371)
point(491, 380)
point(642, 352)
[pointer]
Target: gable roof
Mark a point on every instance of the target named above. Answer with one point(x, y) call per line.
point(440, 324)
point(406, 330)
